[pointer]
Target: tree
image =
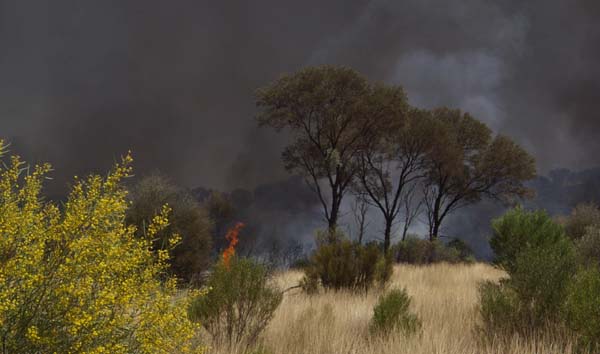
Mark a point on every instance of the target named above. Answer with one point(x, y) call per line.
point(467, 164)
point(189, 220)
point(75, 279)
point(360, 207)
point(412, 207)
point(330, 114)
point(391, 166)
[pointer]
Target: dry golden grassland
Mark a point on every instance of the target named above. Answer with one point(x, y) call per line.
point(444, 296)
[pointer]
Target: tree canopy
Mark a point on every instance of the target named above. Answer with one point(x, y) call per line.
point(331, 113)
point(467, 164)
point(350, 134)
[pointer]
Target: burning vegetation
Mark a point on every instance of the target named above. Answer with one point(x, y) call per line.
point(233, 237)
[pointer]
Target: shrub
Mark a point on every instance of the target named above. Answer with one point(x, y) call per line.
point(419, 251)
point(582, 217)
point(188, 219)
point(518, 230)
point(531, 299)
point(239, 304)
point(442, 253)
point(540, 279)
point(499, 309)
point(339, 263)
point(76, 279)
point(588, 246)
point(540, 269)
point(582, 307)
point(392, 313)
point(465, 252)
point(413, 251)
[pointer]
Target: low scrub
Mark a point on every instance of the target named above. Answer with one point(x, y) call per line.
point(588, 247)
point(339, 263)
point(239, 302)
point(500, 310)
point(582, 307)
point(540, 266)
point(582, 217)
point(420, 251)
point(392, 313)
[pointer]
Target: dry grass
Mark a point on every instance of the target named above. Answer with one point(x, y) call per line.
point(444, 297)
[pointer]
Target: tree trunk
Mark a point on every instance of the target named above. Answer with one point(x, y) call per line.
point(332, 222)
point(435, 231)
point(387, 235)
point(405, 231)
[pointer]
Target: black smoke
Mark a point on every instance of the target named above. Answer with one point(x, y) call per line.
point(82, 82)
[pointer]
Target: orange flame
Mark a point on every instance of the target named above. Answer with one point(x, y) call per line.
point(232, 237)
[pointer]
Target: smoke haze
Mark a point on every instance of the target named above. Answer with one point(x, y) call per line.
point(85, 81)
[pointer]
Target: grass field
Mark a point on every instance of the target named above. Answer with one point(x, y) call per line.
point(444, 297)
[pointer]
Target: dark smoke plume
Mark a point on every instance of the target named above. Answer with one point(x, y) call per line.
point(82, 82)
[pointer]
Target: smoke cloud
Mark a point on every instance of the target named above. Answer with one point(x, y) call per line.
point(83, 82)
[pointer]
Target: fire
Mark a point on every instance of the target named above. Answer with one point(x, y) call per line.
point(232, 237)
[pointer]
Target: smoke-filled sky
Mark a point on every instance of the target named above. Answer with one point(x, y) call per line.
point(81, 82)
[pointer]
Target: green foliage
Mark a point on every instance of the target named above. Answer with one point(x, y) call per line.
point(464, 251)
point(499, 309)
point(413, 250)
point(339, 263)
point(239, 304)
point(188, 220)
point(467, 163)
point(420, 251)
point(392, 313)
point(518, 230)
point(540, 279)
point(582, 306)
point(332, 112)
point(588, 246)
point(582, 217)
point(384, 269)
point(540, 265)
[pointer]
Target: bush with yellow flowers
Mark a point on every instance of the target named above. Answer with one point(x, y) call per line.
point(74, 279)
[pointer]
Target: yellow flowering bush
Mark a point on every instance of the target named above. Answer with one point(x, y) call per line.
point(74, 279)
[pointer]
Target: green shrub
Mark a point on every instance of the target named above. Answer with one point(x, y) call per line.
point(392, 313)
point(540, 265)
point(239, 304)
point(518, 230)
point(442, 253)
point(413, 251)
point(339, 263)
point(499, 310)
point(384, 268)
point(540, 279)
point(419, 251)
point(465, 252)
point(582, 217)
point(588, 246)
point(531, 299)
point(582, 307)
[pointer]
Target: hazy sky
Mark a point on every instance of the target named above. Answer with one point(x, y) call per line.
point(81, 82)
